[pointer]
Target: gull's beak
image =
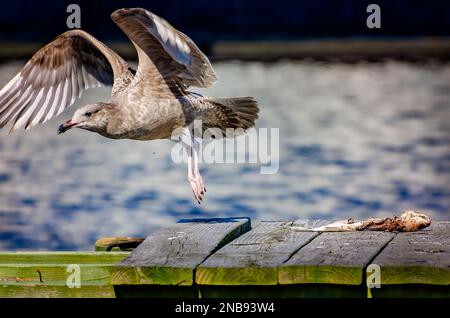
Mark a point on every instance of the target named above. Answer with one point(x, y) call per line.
point(66, 126)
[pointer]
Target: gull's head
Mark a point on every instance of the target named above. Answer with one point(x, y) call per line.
point(93, 117)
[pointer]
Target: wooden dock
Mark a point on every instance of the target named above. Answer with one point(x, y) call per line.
point(228, 258)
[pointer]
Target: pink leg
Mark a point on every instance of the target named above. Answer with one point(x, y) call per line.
point(194, 177)
point(196, 166)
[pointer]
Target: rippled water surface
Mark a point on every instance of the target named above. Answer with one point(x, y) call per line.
point(355, 141)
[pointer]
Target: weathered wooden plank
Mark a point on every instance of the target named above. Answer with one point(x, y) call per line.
point(44, 291)
point(54, 268)
point(116, 244)
point(334, 258)
point(170, 255)
point(45, 274)
point(417, 257)
point(252, 258)
point(45, 257)
point(54, 274)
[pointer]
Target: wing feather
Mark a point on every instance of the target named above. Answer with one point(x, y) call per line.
point(54, 106)
point(163, 49)
point(56, 76)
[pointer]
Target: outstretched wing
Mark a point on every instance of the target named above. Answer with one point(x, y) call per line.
point(163, 49)
point(55, 76)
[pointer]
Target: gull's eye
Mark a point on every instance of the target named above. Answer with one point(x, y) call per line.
point(87, 114)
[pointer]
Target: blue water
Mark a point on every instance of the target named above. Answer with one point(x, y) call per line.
point(356, 140)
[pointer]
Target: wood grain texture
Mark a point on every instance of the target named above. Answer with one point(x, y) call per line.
point(334, 258)
point(116, 244)
point(61, 257)
point(253, 258)
point(271, 260)
point(45, 274)
point(45, 291)
point(418, 257)
point(51, 268)
point(170, 255)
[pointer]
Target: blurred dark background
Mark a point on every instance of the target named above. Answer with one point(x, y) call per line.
point(208, 21)
point(224, 21)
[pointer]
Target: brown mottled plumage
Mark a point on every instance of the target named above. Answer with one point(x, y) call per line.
point(146, 104)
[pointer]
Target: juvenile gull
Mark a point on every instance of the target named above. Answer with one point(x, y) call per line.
point(146, 104)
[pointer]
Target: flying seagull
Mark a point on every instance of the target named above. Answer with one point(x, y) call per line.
point(146, 104)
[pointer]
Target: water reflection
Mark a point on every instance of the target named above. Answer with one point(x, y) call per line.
point(356, 141)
